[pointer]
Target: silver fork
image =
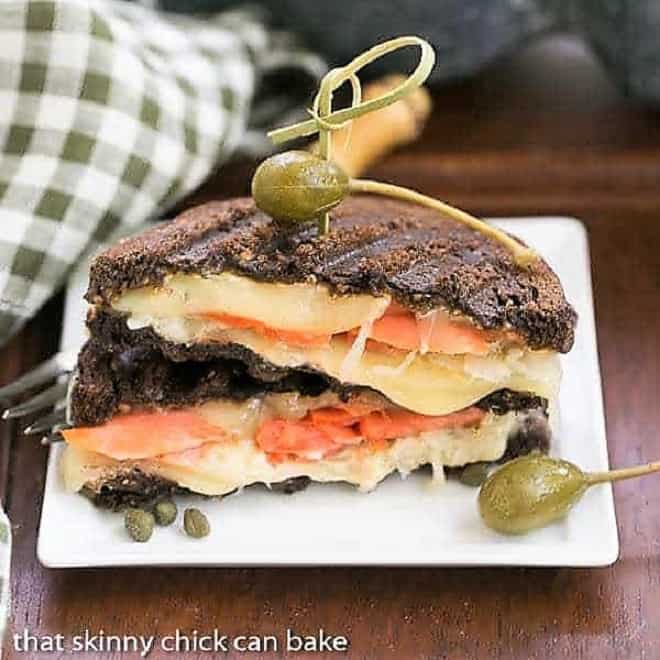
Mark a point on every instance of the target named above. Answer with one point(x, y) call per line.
point(54, 399)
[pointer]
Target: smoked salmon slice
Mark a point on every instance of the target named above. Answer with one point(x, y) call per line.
point(435, 333)
point(287, 336)
point(292, 437)
point(397, 328)
point(304, 439)
point(327, 430)
point(145, 435)
point(343, 415)
point(388, 425)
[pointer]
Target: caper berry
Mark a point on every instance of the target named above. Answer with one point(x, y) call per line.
point(195, 523)
point(165, 512)
point(530, 492)
point(298, 186)
point(139, 524)
point(474, 474)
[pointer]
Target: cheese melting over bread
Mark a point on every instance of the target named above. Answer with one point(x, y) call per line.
point(220, 468)
point(291, 307)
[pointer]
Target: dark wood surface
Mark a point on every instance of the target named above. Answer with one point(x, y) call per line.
point(540, 133)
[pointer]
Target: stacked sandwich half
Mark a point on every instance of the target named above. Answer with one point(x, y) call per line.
point(227, 350)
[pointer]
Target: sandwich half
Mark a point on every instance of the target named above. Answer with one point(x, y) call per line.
point(227, 350)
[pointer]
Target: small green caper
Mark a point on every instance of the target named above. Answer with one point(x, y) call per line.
point(165, 512)
point(474, 474)
point(298, 186)
point(139, 524)
point(530, 492)
point(535, 490)
point(195, 523)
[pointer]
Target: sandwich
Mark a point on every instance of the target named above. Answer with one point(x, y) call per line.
point(227, 350)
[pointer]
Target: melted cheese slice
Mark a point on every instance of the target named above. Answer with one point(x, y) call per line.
point(429, 384)
point(220, 468)
point(293, 307)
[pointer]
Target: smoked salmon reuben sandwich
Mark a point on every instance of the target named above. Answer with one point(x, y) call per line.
point(227, 349)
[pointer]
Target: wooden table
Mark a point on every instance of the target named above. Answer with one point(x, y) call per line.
point(541, 133)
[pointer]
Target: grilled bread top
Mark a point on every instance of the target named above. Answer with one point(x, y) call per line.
point(376, 245)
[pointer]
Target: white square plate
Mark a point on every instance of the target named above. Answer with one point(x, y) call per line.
point(402, 522)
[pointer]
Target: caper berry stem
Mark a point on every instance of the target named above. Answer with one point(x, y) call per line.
point(325, 108)
point(338, 77)
point(325, 140)
point(522, 254)
point(324, 223)
point(623, 473)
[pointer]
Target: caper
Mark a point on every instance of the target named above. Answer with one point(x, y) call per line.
point(530, 492)
point(139, 524)
point(297, 186)
point(536, 490)
point(195, 523)
point(474, 474)
point(165, 512)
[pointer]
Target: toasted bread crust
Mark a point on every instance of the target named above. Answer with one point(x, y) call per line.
point(375, 246)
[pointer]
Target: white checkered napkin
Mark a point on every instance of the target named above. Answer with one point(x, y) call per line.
point(109, 113)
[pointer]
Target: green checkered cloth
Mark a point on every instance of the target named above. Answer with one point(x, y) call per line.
point(109, 113)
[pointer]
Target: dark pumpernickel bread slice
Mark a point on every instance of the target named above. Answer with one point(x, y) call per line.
point(375, 245)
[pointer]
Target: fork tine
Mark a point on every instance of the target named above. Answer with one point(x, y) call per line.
point(52, 438)
point(53, 420)
point(42, 400)
point(58, 364)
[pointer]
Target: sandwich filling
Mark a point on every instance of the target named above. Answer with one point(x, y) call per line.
point(219, 446)
point(359, 339)
point(308, 314)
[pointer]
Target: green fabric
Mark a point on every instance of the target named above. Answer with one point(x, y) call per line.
point(109, 113)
